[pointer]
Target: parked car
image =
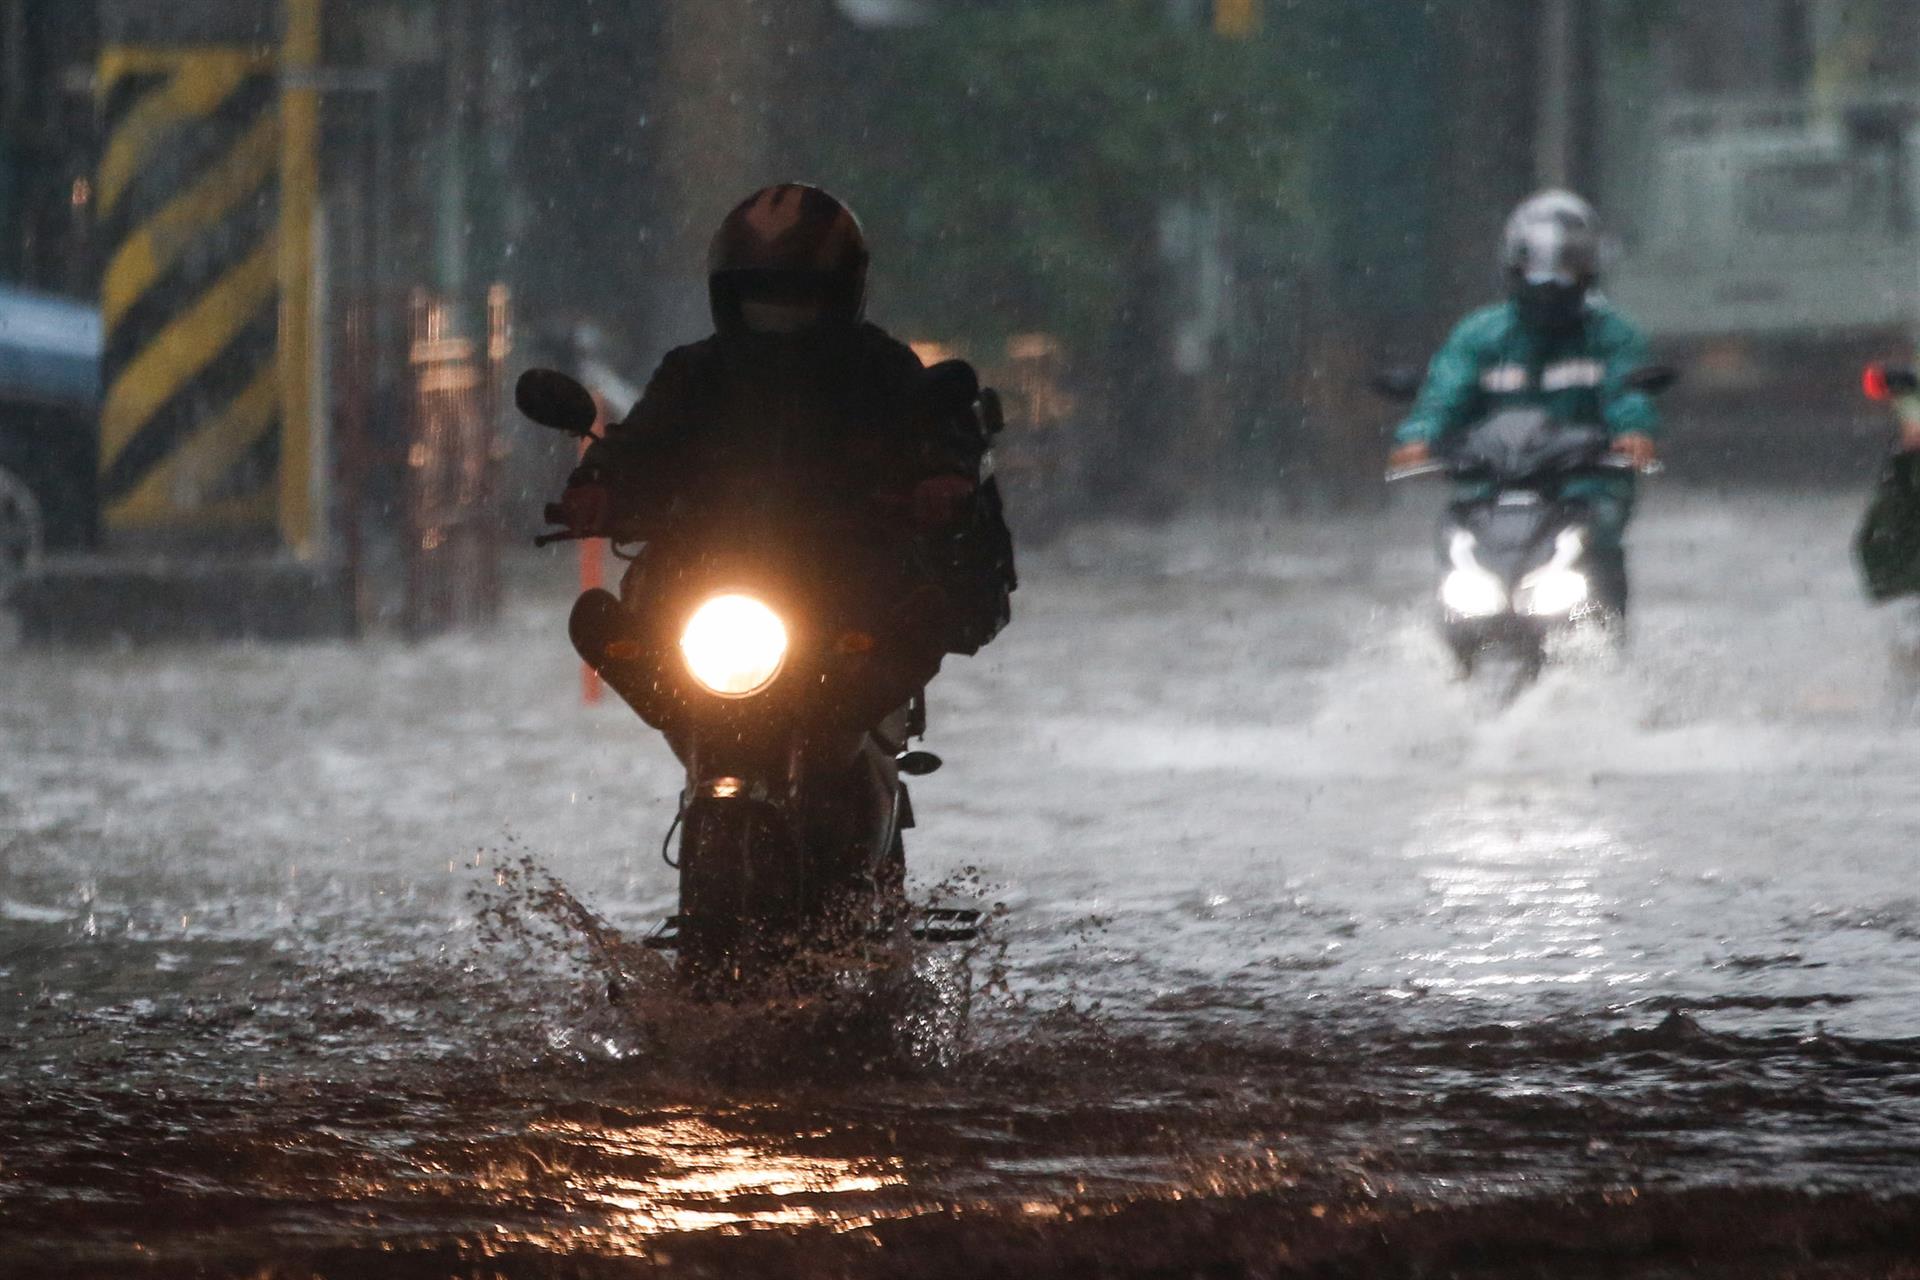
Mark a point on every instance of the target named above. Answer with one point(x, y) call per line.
point(49, 405)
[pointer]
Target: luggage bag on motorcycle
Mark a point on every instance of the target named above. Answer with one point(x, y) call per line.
point(973, 562)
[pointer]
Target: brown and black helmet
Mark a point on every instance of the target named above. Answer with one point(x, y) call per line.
point(791, 246)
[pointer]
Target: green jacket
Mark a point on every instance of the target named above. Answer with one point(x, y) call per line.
point(1493, 362)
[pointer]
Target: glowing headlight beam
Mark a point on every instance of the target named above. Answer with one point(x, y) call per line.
point(1552, 594)
point(734, 645)
point(1556, 587)
point(1470, 590)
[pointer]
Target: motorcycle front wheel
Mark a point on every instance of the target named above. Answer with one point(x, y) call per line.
point(1498, 670)
point(742, 896)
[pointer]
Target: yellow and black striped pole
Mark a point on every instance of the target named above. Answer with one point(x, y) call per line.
point(205, 197)
point(299, 194)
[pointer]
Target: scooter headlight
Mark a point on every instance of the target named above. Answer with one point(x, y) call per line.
point(1473, 593)
point(1470, 591)
point(734, 645)
point(1556, 588)
point(1553, 593)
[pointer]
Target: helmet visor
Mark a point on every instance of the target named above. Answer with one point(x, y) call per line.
point(780, 317)
point(1550, 252)
point(769, 301)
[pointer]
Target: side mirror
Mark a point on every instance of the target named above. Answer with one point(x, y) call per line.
point(918, 764)
point(1401, 383)
point(1653, 378)
point(1885, 381)
point(552, 399)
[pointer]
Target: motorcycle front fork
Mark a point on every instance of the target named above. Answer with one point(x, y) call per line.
point(839, 800)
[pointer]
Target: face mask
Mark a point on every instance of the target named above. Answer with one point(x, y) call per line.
point(779, 317)
point(1552, 306)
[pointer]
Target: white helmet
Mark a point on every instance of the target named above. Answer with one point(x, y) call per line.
point(1553, 236)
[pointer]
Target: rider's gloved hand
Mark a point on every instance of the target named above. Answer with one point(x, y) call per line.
point(584, 508)
point(1413, 454)
point(1638, 448)
point(939, 501)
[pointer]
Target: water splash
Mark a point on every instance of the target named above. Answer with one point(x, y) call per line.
point(887, 1004)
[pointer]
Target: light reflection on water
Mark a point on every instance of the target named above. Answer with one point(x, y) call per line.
point(718, 1181)
point(1515, 893)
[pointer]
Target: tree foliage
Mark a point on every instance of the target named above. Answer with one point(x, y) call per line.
point(1013, 162)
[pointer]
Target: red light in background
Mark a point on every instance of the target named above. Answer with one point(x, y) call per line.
point(1873, 381)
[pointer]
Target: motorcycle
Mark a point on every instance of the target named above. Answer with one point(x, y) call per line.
point(765, 638)
point(1519, 567)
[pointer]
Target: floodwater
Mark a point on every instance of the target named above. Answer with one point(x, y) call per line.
point(317, 960)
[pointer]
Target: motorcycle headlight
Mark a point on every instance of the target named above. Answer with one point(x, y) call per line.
point(1472, 592)
point(734, 645)
point(1556, 587)
point(1550, 593)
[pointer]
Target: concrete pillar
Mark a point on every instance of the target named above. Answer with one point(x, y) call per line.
point(1554, 135)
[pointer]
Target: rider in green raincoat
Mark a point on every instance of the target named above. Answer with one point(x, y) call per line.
point(1553, 345)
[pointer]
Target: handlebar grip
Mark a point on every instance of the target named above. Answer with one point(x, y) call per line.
point(1616, 462)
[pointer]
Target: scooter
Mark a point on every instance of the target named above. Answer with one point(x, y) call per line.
point(757, 637)
point(1519, 565)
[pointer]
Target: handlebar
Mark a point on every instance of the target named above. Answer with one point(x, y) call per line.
point(890, 506)
point(1611, 462)
point(554, 513)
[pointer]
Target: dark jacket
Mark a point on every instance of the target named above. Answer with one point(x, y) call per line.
point(842, 420)
point(1888, 542)
point(835, 417)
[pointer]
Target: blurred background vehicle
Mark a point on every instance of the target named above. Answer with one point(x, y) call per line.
point(49, 394)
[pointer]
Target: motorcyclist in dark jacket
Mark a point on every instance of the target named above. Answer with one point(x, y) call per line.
point(793, 381)
point(795, 396)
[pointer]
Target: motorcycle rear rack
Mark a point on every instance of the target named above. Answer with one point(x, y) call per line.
point(936, 924)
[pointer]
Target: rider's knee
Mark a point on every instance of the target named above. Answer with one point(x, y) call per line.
point(593, 625)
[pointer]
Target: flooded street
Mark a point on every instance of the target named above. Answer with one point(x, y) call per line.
point(1302, 962)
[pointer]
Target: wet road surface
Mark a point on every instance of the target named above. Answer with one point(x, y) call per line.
point(1304, 962)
